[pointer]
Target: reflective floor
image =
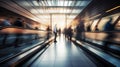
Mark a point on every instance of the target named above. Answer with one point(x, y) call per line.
point(63, 54)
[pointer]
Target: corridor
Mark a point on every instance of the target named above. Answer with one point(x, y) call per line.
point(87, 31)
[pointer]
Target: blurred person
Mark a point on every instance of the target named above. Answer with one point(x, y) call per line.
point(80, 31)
point(77, 32)
point(55, 32)
point(89, 28)
point(70, 33)
point(65, 32)
point(36, 28)
point(6, 22)
point(59, 31)
point(48, 32)
point(108, 28)
point(18, 22)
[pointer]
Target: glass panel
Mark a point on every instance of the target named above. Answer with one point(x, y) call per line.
point(65, 3)
point(84, 3)
point(43, 4)
point(69, 3)
point(35, 3)
point(40, 3)
point(60, 3)
point(56, 3)
point(50, 3)
point(78, 3)
point(24, 3)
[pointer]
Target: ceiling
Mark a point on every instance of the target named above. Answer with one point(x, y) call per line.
point(46, 11)
point(100, 8)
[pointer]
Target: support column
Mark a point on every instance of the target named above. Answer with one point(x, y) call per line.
point(66, 20)
point(51, 20)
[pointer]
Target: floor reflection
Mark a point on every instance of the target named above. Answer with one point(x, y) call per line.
point(63, 53)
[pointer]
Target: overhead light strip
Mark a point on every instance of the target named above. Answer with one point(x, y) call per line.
point(113, 9)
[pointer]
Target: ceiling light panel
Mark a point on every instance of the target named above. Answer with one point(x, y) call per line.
point(40, 10)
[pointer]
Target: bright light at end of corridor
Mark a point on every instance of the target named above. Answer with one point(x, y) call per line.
point(60, 25)
point(59, 20)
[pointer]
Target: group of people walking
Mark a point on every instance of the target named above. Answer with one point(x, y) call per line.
point(8, 22)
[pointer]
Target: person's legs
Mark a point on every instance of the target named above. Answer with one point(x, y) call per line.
point(47, 36)
point(70, 36)
point(55, 37)
point(17, 40)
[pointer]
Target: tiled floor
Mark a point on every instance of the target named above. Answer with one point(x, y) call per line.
point(63, 54)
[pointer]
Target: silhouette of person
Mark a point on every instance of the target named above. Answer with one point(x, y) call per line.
point(70, 33)
point(59, 31)
point(80, 30)
point(18, 22)
point(55, 32)
point(88, 28)
point(48, 32)
point(36, 28)
point(65, 32)
point(6, 22)
point(107, 28)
